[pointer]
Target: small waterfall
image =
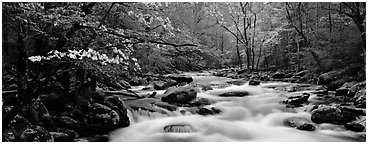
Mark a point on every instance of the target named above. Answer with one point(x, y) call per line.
point(143, 115)
point(178, 128)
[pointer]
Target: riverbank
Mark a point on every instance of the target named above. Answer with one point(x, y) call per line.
point(98, 111)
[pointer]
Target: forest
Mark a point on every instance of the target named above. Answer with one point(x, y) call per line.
point(70, 69)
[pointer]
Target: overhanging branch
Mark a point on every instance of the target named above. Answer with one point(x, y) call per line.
point(142, 40)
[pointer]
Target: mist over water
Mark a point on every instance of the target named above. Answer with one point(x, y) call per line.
point(258, 117)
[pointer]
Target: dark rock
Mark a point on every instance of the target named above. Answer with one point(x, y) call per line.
point(234, 94)
point(360, 98)
point(204, 111)
point(297, 100)
point(181, 95)
point(328, 77)
point(54, 102)
point(306, 127)
point(101, 118)
point(295, 121)
point(236, 82)
point(356, 127)
point(36, 134)
point(355, 88)
point(60, 137)
point(278, 75)
point(331, 114)
point(342, 92)
point(162, 85)
point(94, 138)
point(71, 133)
point(264, 78)
point(200, 102)
point(254, 82)
point(181, 78)
point(121, 109)
point(67, 122)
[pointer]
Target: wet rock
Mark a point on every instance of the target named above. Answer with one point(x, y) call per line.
point(254, 82)
point(60, 137)
point(203, 87)
point(71, 133)
point(356, 127)
point(234, 94)
point(67, 122)
point(94, 138)
point(306, 127)
point(206, 111)
point(296, 122)
point(355, 88)
point(119, 106)
point(137, 81)
point(296, 101)
point(264, 78)
point(181, 78)
point(200, 102)
point(162, 85)
point(342, 92)
point(332, 114)
point(236, 82)
point(278, 75)
point(360, 99)
point(101, 118)
point(36, 134)
point(328, 77)
point(181, 95)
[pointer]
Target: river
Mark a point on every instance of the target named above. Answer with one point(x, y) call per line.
point(258, 117)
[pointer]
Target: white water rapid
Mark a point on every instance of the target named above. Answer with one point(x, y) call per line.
point(258, 117)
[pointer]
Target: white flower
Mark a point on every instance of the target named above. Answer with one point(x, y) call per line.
point(72, 55)
point(35, 58)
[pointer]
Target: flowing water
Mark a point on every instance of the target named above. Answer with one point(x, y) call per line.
point(258, 117)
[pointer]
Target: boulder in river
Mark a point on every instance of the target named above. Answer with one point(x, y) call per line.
point(299, 123)
point(236, 82)
point(254, 82)
point(181, 95)
point(296, 101)
point(306, 127)
point(333, 115)
point(162, 85)
point(181, 78)
point(234, 94)
point(360, 98)
point(355, 88)
point(36, 133)
point(278, 75)
point(356, 127)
